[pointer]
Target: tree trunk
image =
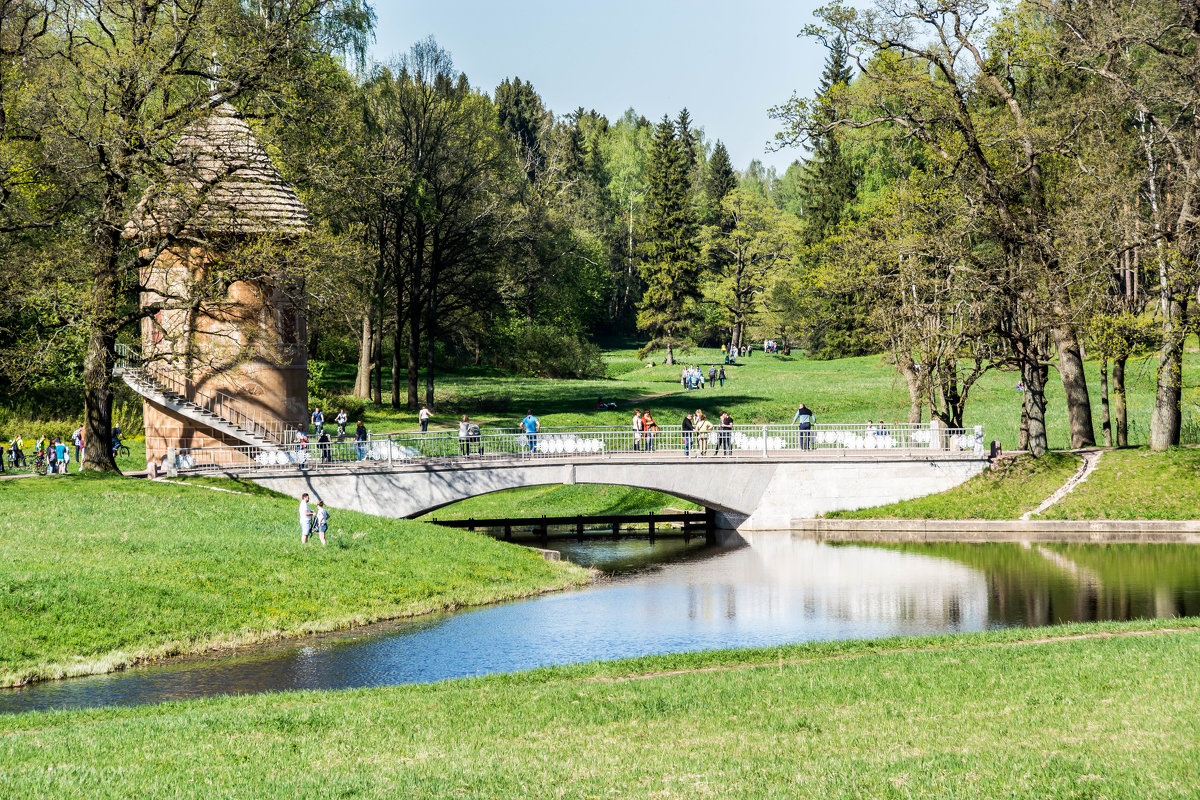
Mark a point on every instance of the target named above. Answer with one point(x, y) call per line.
point(1070, 368)
point(377, 358)
point(1105, 419)
point(1119, 402)
point(414, 317)
point(1035, 406)
point(1023, 435)
point(912, 379)
point(98, 362)
point(397, 349)
point(366, 341)
point(1166, 419)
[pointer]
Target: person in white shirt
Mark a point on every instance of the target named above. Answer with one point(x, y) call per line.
point(306, 516)
point(424, 418)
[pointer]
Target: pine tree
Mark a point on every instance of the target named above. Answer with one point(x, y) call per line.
point(831, 182)
point(670, 263)
point(721, 178)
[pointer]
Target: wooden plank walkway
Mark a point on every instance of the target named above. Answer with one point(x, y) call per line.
point(583, 527)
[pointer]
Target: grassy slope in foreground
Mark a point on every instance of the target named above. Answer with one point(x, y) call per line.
point(101, 572)
point(1017, 485)
point(560, 501)
point(953, 716)
point(1136, 484)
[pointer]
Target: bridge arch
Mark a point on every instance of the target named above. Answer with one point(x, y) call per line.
point(754, 493)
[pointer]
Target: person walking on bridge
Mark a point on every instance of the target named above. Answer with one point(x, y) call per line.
point(360, 440)
point(531, 426)
point(687, 426)
point(804, 420)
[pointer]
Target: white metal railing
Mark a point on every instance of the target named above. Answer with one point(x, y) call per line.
point(254, 420)
point(740, 440)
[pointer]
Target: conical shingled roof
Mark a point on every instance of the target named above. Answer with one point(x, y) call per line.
point(220, 180)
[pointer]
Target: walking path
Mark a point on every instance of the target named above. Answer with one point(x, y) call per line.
point(1090, 459)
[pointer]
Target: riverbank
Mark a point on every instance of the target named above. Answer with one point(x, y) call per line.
point(1100, 710)
point(1125, 484)
point(103, 572)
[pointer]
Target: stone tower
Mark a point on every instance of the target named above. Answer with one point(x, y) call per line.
point(228, 340)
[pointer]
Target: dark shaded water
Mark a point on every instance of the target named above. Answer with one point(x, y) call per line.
point(669, 597)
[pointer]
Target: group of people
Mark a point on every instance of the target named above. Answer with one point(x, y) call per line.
point(770, 346)
point(697, 432)
point(318, 422)
point(51, 454)
point(693, 377)
point(313, 521)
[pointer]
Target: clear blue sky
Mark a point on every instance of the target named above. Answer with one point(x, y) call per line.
point(727, 62)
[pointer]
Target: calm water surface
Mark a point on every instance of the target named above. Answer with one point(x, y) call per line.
point(669, 597)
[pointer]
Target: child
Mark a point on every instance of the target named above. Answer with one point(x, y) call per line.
point(322, 520)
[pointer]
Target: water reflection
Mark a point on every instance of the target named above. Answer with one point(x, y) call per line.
point(671, 597)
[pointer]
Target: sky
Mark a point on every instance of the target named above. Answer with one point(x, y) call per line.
point(726, 62)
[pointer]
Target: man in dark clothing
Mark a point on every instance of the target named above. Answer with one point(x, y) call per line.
point(324, 446)
point(688, 426)
point(721, 377)
point(804, 420)
point(725, 434)
point(712, 376)
point(360, 440)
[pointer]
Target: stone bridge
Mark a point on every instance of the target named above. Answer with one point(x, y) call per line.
point(748, 492)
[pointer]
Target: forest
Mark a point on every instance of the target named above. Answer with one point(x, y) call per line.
point(976, 188)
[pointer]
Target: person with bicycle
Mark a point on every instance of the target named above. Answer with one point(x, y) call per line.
point(341, 419)
point(16, 455)
point(116, 440)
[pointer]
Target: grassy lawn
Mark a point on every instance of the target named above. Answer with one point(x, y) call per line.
point(1137, 484)
point(976, 716)
point(760, 390)
point(562, 500)
point(1018, 485)
point(100, 572)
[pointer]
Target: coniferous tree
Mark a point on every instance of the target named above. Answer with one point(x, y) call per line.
point(721, 178)
point(670, 262)
point(831, 183)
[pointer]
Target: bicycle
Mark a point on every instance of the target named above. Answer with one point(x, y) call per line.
point(120, 450)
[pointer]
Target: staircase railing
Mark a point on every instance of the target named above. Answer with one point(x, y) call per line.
point(231, 409)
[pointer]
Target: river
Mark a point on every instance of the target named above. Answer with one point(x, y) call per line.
point(670, 597)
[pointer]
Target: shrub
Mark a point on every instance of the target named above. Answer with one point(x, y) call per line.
point(544, 352)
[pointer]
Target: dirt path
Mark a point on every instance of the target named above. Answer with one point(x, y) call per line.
point(960, 646)
point(1090, 459)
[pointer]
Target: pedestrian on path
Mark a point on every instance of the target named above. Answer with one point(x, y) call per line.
point(712, 377)
point(721, 377)
point(77, 442)
point(804, 420)
point(423, 417)
point(321, 522)
point(318, 421)
point(306, 518)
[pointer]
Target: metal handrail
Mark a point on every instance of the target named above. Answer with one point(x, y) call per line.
point(218, 403)
point(761, 441)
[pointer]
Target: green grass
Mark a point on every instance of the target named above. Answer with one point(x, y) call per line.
point(1137, 484)
point(967, 716)
point(562, 500)
point(1017, 485)
point(100, 572)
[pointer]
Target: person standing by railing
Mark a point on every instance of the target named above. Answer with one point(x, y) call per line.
point(360, 440)
point(651, 430)
point(464, 434)
point(639, 428)
point(725, 433)
point(703, 429)
point(804, 420)
point(687, 426)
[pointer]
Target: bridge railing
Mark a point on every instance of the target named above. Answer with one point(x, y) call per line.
point(759, 441)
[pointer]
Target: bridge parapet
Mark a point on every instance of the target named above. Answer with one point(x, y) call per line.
point(577, 444)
